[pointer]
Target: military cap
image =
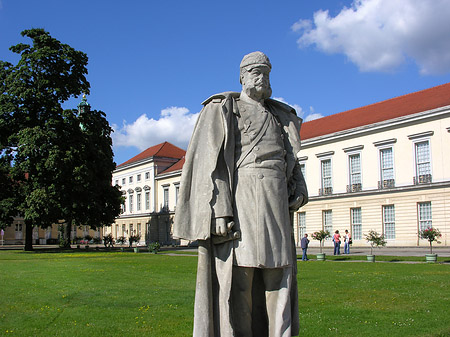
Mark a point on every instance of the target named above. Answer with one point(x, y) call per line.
point(255, 58)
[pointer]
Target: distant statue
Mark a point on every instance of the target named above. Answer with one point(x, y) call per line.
point(240, 185)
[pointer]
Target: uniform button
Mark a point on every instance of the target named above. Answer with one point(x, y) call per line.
point(253, 133)
point(258, 161)
point(284, 152)
point(260, 176)
point(282, 136)
point(256, 148)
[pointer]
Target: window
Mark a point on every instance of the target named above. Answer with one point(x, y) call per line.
point(130, 179)
point(303, 169)
point(138, 177)
point(124, 207)
point(327, 218)
point(177, 190)
point(386, 168)
point(139, 229)
point(124, 231)
point(73, 233)
point(423, 164)
point(18, 231)
point(138, 202)
point(356, 221)
point(147, 200)
point(389, 221)
point(130, 203)
point(117, 231)
point(424, 211)
point(326, 177)
point(301, 225)
point(355, 171)
point(166, 198)
point(123, 181)
point(147, 175)
point(131, 229)
point(117, 182)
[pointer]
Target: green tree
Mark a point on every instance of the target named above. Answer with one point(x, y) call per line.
point(86, 188)
point(54, 156)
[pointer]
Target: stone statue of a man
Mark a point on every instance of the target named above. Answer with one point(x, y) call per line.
point(240, 184)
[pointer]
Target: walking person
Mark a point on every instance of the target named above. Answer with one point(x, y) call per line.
point(347, 242)
point(304, 244)
point(337, 243)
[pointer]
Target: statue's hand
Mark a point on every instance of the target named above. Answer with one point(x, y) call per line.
point(221, 226)
point(296, 203)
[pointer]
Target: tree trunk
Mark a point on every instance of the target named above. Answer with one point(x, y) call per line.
point(28, 236)
point(67, 230)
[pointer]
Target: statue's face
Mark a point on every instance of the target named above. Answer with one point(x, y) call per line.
point(256, 83)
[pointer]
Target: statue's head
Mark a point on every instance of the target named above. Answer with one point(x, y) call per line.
point(254, 75)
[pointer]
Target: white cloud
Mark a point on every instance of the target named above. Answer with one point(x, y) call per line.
point(312, 116)
point(175, 125)
point(307, 116)
point(380, 35)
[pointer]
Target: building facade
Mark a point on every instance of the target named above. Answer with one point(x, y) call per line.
point(148, 199)
point(383, 167)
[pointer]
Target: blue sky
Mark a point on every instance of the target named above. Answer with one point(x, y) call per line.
point(152, 63)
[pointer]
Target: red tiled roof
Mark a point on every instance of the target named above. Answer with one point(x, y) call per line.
point(165, 150)
point(419, 101)
point(175, 167)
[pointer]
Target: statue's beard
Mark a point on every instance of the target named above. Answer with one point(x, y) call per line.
point(258, 92)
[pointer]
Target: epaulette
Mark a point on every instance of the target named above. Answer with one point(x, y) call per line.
point(218, 98)
point(282, 106)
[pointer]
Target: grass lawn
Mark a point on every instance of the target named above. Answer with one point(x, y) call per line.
point(127, 294)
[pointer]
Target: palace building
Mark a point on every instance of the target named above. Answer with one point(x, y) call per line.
point(382, 167)
point(149, 184)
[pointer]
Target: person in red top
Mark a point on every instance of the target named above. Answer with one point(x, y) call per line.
point(337, 243)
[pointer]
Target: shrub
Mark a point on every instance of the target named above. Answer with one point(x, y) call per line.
point(375, 240)
point(431, 234)
point(320, 236)
point(154, 247)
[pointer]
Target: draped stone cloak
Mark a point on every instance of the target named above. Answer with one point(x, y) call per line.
point(212, 148)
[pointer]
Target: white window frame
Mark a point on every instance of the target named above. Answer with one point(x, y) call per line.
point(303, 168)
point(301, 225)
point(416, 159)
point(322, 177)
point(147, 200)
point(130, 202)
point(356, 227)
point(389, 223)
point(424, 217)
point(381, 166)
point(177, 191)
point(358, 174)
point(138, 202)
point(327, 220)
point(166, 196)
